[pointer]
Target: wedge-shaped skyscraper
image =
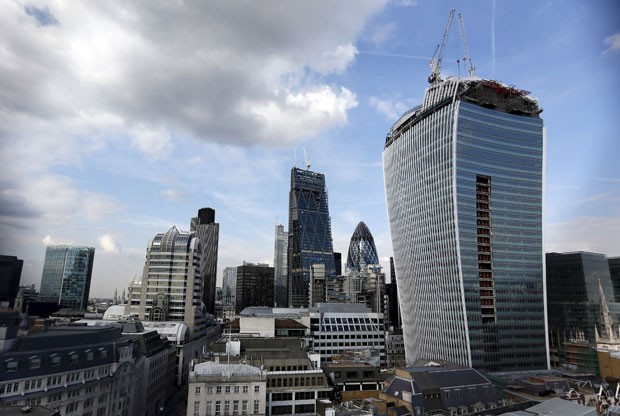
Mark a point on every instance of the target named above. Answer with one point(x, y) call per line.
point(310, 234)
point(464, 176)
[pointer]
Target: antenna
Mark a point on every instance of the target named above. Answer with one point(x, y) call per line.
point(435, 65)
point(306, 160)
point(471, 71)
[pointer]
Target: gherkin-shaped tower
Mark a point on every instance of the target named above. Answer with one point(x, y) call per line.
point(362, 250)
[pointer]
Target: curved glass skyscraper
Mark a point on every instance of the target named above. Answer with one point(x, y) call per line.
point(464, 188)
point(362, 250)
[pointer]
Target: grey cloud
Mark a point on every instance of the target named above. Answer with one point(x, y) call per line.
point(229, 72)
point(13, 205)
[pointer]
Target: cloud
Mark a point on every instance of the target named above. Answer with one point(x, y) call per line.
point(405, 3)
point(174, 195)
point(49, 241)
point(14, 205)
point(389, 108)
point(189, 68)
point(382, 34)
point(108, 244)
point(613, 43)
point(595, 234)
point(155, 143)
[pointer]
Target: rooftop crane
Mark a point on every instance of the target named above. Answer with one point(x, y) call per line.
point(471, 71)
point(435, 64)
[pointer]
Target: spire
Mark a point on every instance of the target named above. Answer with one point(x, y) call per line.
point(606, 318)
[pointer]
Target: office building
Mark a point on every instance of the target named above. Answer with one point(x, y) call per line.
point(310, 235)
point(338, 263)
point(575, 282)
point(392, 318)
point(254, 286)
point(464, 175)
point(10, 276)
point(208, 231)
point(280, 267)
point(77, 370)
point(614, 273)
point(66, 276)
point(229, 286)
point(362, 249)
point(226, 389)
point(171, 286)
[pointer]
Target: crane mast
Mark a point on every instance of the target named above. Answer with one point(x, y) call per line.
point(471, 71)
point(435, 64)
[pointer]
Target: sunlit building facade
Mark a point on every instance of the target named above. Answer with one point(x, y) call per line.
point(67, 272)
point(280, 266)
point(464, 175)
point(310, 235)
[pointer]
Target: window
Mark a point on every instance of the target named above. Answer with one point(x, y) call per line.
point(236, 407)
point(256, 389)
point(256, 406)
point(227, 389)
point(197, 390)
point(35, 363)
point(55, 360)
point(219, 390)
point(218, 407)
point(244, 407)
point(103, 353)
point(89, 357)
point(237, 389)
point(208, 406)
point(196, 408)
point(227, 407)
point(74, 358)
point(246, 389)
point(11, 365)
point(72, 407)
point(209, 390)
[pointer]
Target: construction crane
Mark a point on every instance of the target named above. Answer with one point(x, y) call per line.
point(471, 71)
point(435, 64)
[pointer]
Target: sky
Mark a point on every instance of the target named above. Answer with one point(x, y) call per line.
point(121, 119)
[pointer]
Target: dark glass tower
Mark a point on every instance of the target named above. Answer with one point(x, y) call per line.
point(208, 231)
point(362, 250)
point(310, 235)
point(66, 276)
point(573, 298)
point(10, 276)
point(464, 175)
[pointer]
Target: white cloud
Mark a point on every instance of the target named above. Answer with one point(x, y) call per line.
point(174, 195)
point(190, 68)
point(613, 43)
point(382, 34)
point(389, 108)
point(48, 241)
point(595, 234)
point(108, 244)
point(406, 3)
point(155, 143)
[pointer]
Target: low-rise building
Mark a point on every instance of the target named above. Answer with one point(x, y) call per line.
point(434, 387)
point(225, 389)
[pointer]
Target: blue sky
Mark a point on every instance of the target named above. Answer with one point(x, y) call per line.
point(119, 120)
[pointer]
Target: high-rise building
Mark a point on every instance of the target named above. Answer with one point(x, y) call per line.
point(171, 287)
point(310, 235)
point(614, 272)
point(66, 276)
point(574, 299)
point(254, 286)
point(10, 276)
point(362, 249)
point(391, 292)
point(229, 285)
point(464, 175)
point(280, 266)
point(208, 231)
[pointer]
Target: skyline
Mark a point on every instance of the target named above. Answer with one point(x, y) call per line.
point(136, 116)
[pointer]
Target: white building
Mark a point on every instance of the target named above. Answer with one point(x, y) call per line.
point(226, 389)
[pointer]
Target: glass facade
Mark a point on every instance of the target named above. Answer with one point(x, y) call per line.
point(574, 307)
point(208, 231)
point(280, 265)
point(66, 276)
point(310, 235)
point(464, 190)
point(362, 249)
